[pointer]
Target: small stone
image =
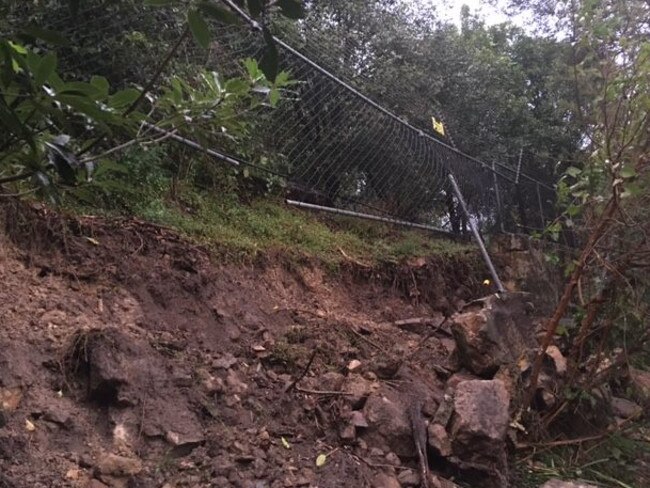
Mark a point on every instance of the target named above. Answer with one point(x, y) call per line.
point(408, 477)
point(559, 361)
point(354, 365)
point(358, 420)
point(393, 459)
point(348, 433)
point(383, 480)
point(439, 440)
point(234, 383)
point(375, 451)
point(72, 474)
point(226, 361)
point(625, 409)
point(114, 465)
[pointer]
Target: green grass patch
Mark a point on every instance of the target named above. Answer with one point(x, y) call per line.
point(614, 462)
point(244, 230)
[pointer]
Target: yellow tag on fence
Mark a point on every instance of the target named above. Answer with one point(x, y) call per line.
point(438, 126)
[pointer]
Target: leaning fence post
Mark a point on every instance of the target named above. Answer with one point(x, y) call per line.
point(477, 235)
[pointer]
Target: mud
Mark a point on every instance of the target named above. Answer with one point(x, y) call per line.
point(132, 357)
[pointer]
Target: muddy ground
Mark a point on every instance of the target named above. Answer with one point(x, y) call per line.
point(131, 357)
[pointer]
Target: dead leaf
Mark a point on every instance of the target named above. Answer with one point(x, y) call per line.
point(29, 426)
point(321, 460)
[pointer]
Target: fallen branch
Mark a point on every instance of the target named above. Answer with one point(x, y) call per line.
point(321, 392)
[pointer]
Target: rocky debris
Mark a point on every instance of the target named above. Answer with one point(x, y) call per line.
point(625, 409)
point(359, 390)
point(408, 477)
point(129, 376)
point(438, 482)
point(493, 331)
point(383, 480)
point(558, 360)
point(10, 398)
point(389, 425)
point(439, 440)
point(354, 365)
point(555, 483)
point(479, 425)
point(114, 465)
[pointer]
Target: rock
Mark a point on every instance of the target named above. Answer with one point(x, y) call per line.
point(478, 429)
point(480, 411)
point(439, 440)
point(393, 459)
point(383, 480)
point(359, 389)
point(438, 482)
point(640, 382)
point(59, 416)
point(10, 399)
point(234, 382)
point(555, 483)
point(358, 420)
point(445, 409)
point(354, 365)
point(348, 433)
point(493, 331)
point(114, 465)
point(408, 477)
point(558, 360)
point(389, 426)
point(625, 409)
point(93, 483)
point(226, 361)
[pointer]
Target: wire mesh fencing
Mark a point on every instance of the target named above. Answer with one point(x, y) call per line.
point(331, 145)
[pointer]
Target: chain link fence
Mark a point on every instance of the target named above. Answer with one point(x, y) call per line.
point(331, 145)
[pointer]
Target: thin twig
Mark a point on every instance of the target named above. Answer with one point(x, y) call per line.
point(304, 372)
point(323, 392)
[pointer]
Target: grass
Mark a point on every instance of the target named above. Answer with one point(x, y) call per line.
point(613, 462)
point(245, 230)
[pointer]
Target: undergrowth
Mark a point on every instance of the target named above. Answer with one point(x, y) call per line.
point(241, 223)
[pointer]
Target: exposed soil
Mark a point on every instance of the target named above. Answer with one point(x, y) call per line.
point(129, 358)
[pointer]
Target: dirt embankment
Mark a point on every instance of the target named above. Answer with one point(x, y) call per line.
point(129, 358)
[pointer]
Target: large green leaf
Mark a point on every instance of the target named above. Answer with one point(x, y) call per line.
point(124, 98)
point(45, 69)
point(199, 28)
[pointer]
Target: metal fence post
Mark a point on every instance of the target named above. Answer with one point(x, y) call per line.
point(477, 235)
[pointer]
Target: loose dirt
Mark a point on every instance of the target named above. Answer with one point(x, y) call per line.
point(131, 357)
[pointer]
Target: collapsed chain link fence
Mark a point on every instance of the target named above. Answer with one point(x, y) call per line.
point(332, 146)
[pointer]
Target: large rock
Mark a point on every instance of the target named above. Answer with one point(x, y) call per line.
point(478, 428)
point(625, 409)
point(128, 376)
point(493, 331)
point(389, 427)
point(555, 483)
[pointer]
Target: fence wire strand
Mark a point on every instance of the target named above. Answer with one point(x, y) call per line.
point(330, 145)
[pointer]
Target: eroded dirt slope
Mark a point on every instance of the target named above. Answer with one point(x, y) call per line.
point(129, 358)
